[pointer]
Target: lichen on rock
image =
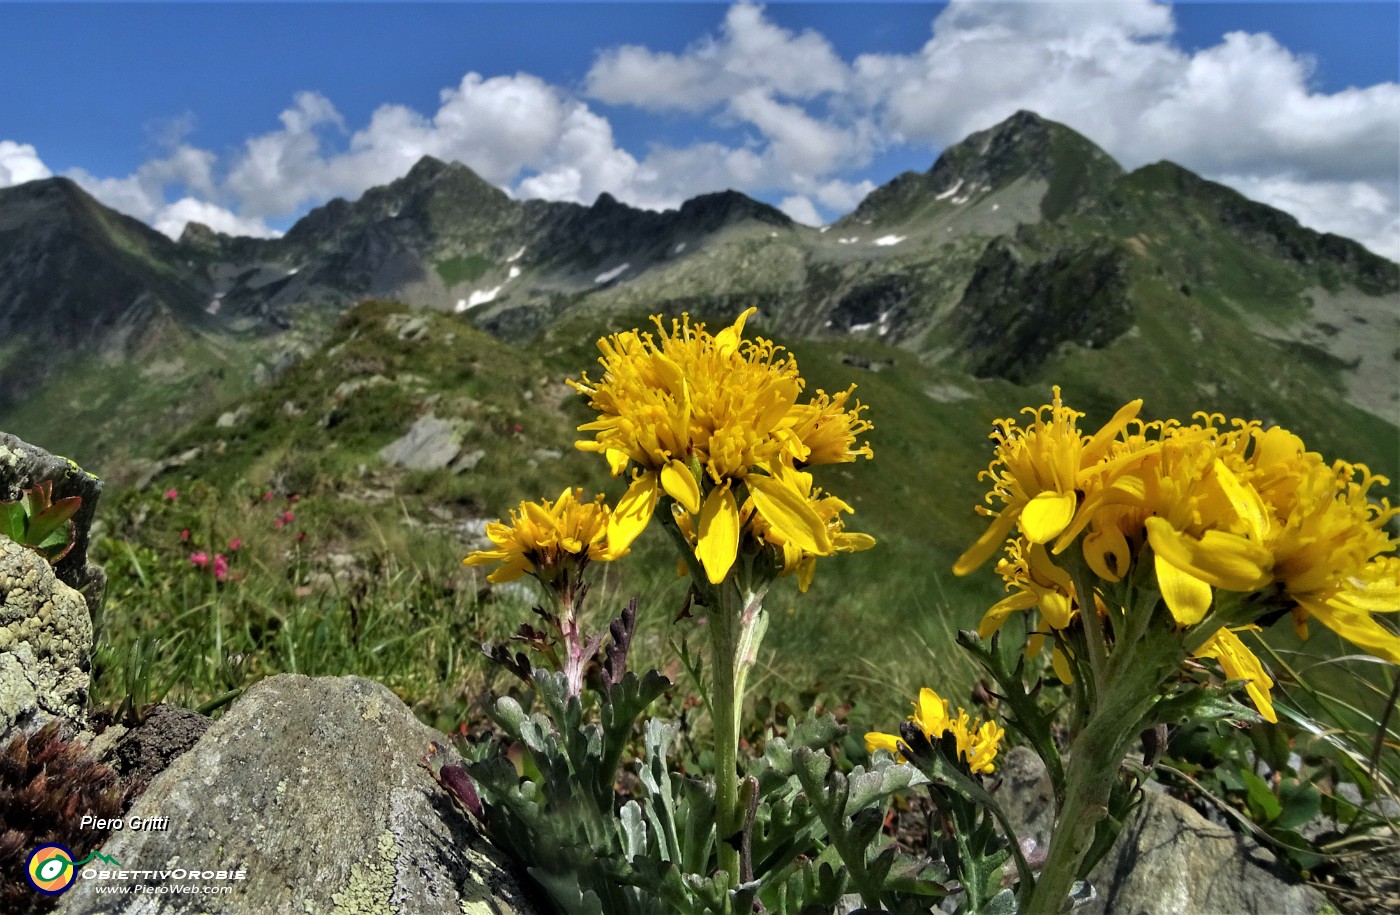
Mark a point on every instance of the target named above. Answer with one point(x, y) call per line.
point(45, 644)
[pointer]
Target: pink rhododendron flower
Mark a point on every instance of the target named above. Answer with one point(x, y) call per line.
point(172, 494)
point(185, 535)
point(200, 559)
point(220, 567)
point(235, 545)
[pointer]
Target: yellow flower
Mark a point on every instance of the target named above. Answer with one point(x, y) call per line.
point(713, 421)
point(547, 539)
point(977, 741)
point(1040, 474)
point(1239, 663)
point(1034, 582)
point(1223, 507)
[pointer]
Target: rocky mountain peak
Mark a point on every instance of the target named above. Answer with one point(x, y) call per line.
point(1067, 168)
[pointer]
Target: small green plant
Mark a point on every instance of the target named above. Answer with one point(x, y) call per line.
point(35, 521)
point(47, 785)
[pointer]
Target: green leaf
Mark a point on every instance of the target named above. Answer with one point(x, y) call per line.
point(1259, 798)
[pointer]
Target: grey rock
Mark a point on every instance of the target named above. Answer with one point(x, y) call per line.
point(142, 752)
point(408, 327)
point(45, 645)
point(232, 418)
point(467, 460)
point(314, 789)
point(1168, 860)
point(431, 443)
point(22, 466)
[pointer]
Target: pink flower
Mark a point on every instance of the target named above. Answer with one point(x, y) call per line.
point(293, 499)
point(287, 517)
point(267, 495)
point(185, 535)
point(278, 522)
point(234, 545)
point(171, 495)
point(200, 559)
point(519, 428)
point(220, 567)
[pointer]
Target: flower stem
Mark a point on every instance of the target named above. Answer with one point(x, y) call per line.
point(724, 624)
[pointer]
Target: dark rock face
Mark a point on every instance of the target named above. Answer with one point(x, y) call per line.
point(147, 750)
point(315, 791)
point(1014, 314)
point(23, 466)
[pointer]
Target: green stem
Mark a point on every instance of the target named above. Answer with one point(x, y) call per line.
point(724, 669)
point(1124, 711)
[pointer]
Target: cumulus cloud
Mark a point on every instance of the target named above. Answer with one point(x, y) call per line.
point(801, 209)
point(143, 194)
point(1244, 111)
point(1355, 209)
point(750, 53)
point(20, 162)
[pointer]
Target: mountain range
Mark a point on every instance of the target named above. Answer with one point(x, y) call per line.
point(1025, 257)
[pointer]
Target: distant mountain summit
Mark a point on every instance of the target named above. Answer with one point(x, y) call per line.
point(1057, 167)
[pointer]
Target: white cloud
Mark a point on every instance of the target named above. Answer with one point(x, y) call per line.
point(1243, 111)
point(171, 219)
point(1354, 209)
point(20, 162)
point(750, 53)
point(801, 209)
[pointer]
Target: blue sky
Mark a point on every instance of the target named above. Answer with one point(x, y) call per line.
point(244, 116)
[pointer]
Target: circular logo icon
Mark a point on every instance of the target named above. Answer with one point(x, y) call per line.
point(50, 869)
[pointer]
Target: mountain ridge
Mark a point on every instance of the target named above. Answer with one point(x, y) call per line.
point(1022, 254)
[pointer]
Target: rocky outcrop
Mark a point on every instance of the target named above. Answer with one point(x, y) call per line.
point(429, 444)
point(1168, 859)
point(313, 791)
point(23, 466)
point(45, 645)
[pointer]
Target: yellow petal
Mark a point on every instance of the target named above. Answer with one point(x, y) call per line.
point(931, 714)
point(633, 512)
point(1219, 558)
point(852, 542)
point(1098, 446)
point(997, 614)
point(1245, 500)
point(1056, 608)
point(1187, 597)
point(1357, 627)
point(718, 542)
point(993, 537)
point(680, 485)
point(1239, 663)
point(789, 514)
point(1107, 553)
point(727, 340)
point(1060, 664)
point(617, 461)
point(877, 741)
point(1046, 515)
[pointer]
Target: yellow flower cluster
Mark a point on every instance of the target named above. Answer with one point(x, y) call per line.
point(547, 539)
point(977, 740)
point(1215, 507)
point(715, 423)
